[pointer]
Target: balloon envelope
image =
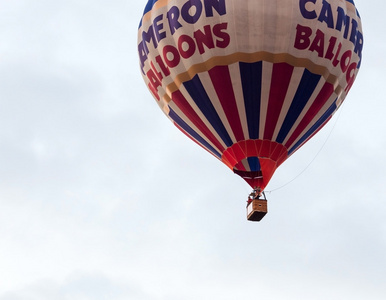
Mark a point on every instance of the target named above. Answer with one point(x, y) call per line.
point(250, 81)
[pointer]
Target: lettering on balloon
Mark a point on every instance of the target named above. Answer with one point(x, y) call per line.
point(170, 22)
point(315, 40)
point(186, 45)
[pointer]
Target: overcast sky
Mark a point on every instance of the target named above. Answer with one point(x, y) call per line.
point(101, 197)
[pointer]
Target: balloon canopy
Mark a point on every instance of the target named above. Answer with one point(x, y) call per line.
point(250, 81)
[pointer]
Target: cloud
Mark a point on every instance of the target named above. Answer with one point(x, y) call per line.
point(78, 286)
point(103, 198)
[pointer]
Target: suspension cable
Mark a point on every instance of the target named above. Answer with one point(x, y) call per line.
point(316, 155)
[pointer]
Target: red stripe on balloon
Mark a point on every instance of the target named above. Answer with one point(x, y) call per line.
point(268, 167)
point(243, 146)
point(265, 149)
point(222, 83)
point(277, 151)
point(229, 157)
point(281, 77)
point(189, 112)
point(251, 148)
point(239, 152)
point(319, 102)
point(258, 144)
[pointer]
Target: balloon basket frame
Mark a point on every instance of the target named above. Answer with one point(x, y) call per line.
point(257, 209)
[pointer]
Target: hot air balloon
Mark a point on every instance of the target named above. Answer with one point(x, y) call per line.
point(250, 81)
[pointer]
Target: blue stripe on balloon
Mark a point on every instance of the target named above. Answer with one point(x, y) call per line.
point(305, 89)
point(251, 74)
point(197, 91)
point(149, 6)
point(315, 127)
point(192, 133)
point(254, 164)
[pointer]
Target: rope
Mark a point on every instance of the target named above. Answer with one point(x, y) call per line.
point(316, 155)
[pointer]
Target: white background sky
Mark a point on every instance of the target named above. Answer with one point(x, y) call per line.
point(101, 197)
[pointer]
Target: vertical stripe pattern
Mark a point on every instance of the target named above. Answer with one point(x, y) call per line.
point(295, 115)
